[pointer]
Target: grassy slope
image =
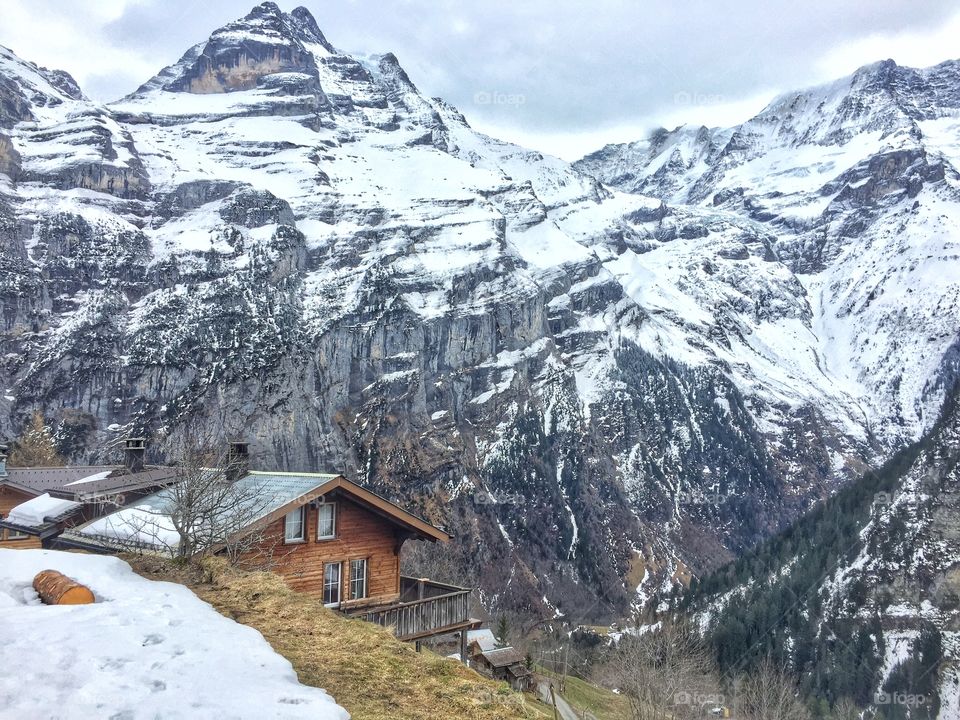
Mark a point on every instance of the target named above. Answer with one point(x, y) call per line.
point(600, 702)
point(369, 672)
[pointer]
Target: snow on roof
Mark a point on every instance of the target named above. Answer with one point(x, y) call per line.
point(96, 477)
point(147, 522)
point(40, 510)
point(483, 637)
point(144, 649)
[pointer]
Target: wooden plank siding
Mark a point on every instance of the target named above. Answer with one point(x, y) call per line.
point(9, 499)
point(30, 542)
point(360, 534)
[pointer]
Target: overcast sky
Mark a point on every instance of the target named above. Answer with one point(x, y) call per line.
point(563, 76)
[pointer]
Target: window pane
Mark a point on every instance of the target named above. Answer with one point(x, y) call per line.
point(358, 579)
point(331, 583)
point(293, 526)
point(327, 520)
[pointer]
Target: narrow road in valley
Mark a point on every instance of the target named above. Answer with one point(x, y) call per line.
point(563, 707)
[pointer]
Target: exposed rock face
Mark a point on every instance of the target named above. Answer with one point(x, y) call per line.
point(58, 138)
point(237, 56)
point(578, 383)
point(9, 158)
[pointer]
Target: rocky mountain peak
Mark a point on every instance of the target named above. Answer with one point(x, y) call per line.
point(238, 55)
point(26, 87)
point(267, 18)
point(303, 21)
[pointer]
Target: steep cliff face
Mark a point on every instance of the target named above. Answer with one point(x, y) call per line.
point(591, 389)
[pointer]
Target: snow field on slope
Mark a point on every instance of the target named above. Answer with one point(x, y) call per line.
point(145, 649)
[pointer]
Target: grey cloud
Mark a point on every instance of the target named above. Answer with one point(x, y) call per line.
point(578, 66)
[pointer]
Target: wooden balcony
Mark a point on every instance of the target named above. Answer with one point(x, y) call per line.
point(425, 608)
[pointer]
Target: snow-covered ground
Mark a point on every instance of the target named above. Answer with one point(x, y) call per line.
point(145, 649)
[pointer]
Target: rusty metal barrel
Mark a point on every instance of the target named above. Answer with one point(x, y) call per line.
point(57, 589)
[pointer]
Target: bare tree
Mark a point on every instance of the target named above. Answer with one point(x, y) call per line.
point(210, 505)
point(770, 693)
point(846, 709)
point(667, 673)
point(431, 560)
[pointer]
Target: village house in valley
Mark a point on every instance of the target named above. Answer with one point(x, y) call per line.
point(38, 503)
point(323, 534)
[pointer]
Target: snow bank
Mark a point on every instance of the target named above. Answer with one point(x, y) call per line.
point(144, 650)
point(33, 512)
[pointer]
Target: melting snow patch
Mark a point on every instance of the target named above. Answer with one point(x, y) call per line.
point(145, 649)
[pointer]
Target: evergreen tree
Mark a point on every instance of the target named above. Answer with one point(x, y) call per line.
point(503, 631)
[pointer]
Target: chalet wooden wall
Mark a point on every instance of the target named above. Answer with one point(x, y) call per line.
point(9, 499)
point(360, 534)
point(31, 542)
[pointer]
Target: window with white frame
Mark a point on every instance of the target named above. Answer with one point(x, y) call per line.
point(358, 579)
point(293, 526)
point(326, 521)
point(331, 583)
point(16, 535)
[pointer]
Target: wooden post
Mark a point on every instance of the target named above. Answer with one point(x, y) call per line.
point(553, 697)
point(463, 647)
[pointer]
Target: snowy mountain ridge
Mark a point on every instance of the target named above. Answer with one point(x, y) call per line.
point(593, 388)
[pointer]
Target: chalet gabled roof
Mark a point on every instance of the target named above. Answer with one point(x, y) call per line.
point(76, 482)
point(483, 638)
point(392, 512)
point(147, 522)
point(503, 657)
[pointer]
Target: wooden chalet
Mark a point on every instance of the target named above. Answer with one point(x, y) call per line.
point(505, 664)
point(93, 491)
point(326, 537)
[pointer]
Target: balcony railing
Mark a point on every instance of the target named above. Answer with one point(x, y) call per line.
point(426, 608)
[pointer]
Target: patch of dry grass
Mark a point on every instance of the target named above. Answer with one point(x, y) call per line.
point(368, 671)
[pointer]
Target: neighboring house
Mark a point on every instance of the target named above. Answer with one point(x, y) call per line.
point(324, 535)
point(482, 639)
point(505, 664)
point(31, 523)
point(96, 490)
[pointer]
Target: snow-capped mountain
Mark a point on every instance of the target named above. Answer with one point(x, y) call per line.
point(594, 390)
point(857, 180)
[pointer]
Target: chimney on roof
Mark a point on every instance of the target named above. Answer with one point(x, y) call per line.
point(238, 460)
point(3, 460)
point(134, 450)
